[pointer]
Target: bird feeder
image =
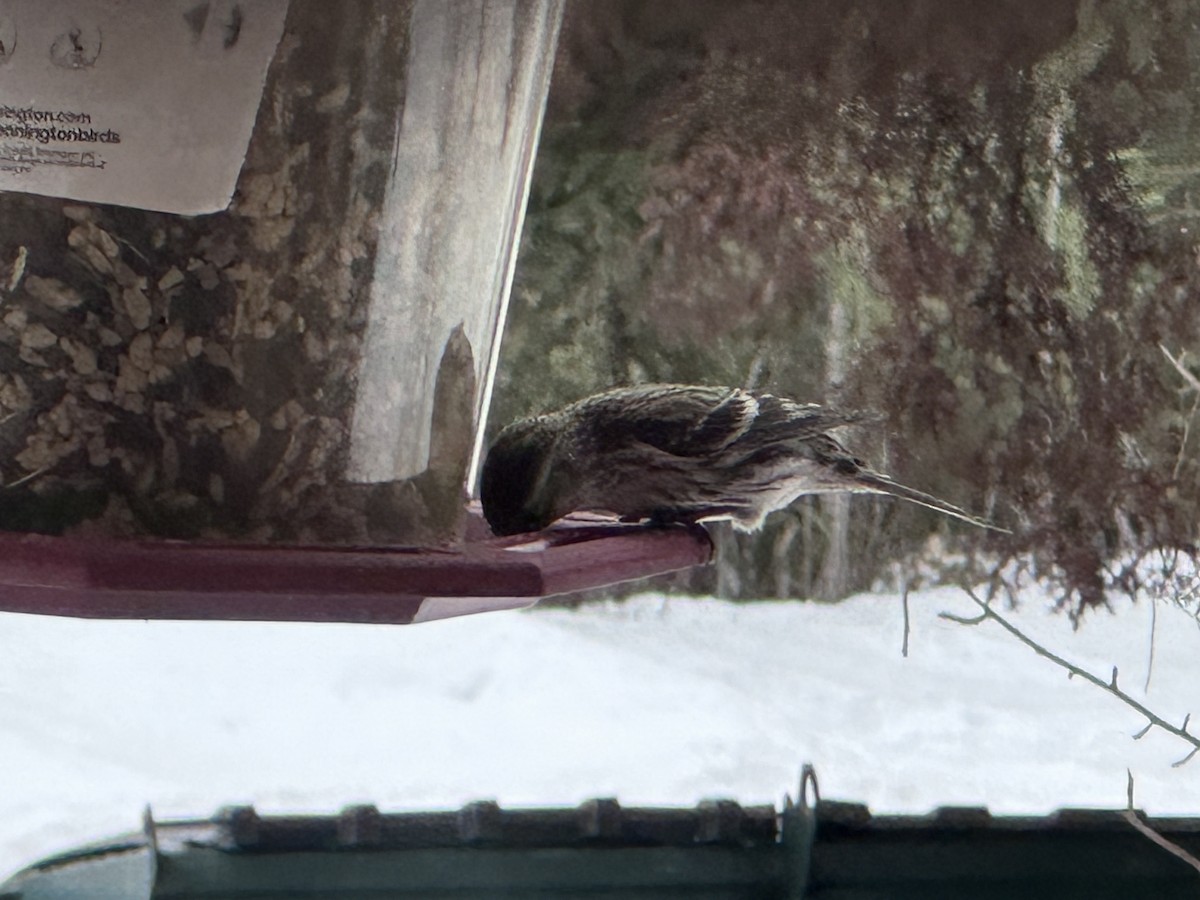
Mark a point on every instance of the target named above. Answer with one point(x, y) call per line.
point(254, 266)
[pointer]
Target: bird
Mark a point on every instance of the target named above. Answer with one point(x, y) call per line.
point(677, 453)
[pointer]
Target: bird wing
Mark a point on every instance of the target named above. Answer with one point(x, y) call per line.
point(683, 420)
point(778, 419)
point(698, 420)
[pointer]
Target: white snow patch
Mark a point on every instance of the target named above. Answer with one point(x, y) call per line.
point(653, 701)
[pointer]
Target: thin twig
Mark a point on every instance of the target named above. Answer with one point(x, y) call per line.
point(1149, 833)
point(1183, 440)
point(1150, 655)
point(904, 602)
point(1174, 849)
point(986, 612)
point(1182, 598)
point(25, 479)
point(1193, 382)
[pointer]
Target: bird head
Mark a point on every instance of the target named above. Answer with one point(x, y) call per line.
point(515, 487)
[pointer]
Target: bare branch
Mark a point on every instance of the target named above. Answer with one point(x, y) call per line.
point(1183, 440)
point(24, 479)
point(1186, 759)
point(962, 620)
point(986, 612)
point(1189, 592)
point(1149, 833)
point(1177, 362)
point(1153, 629)
point(904, 646)
point(1174, 849)
point(1194, 384)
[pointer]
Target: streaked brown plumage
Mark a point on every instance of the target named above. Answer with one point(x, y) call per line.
point(676, 453)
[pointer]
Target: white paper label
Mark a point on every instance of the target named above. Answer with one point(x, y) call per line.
point(145, 103)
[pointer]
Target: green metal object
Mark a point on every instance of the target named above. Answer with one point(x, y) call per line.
point(719, 850)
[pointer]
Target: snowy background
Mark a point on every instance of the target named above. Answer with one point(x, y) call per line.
point(653, 701)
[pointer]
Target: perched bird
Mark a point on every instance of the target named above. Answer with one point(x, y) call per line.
point(676, 453)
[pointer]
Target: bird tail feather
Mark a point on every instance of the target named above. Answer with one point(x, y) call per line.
point(884, 485)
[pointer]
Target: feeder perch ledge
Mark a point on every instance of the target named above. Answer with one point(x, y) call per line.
point(160, 579)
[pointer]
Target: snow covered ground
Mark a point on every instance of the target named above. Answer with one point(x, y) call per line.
point(653, 701)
